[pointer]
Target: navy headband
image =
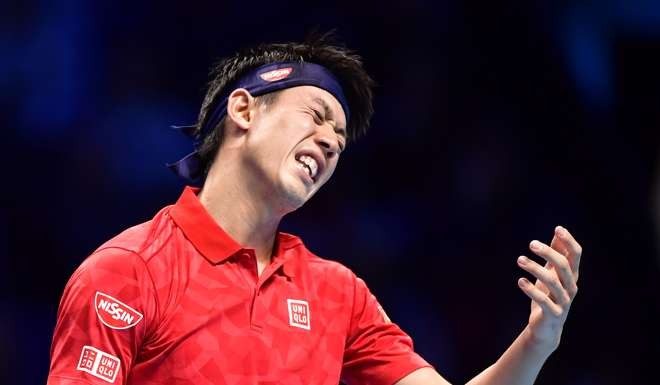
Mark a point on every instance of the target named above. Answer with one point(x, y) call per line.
point(259, 81)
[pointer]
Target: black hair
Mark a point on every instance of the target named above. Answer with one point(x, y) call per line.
point(321, 49)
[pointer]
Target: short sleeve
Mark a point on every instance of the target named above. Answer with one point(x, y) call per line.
point(378, 352)
point(107, 309)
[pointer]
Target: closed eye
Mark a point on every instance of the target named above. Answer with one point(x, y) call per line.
point(318, 116)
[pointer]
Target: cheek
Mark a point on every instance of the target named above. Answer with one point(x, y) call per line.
point(292, 127)
point(332, 166)
point(301, 125)
point(274, 137)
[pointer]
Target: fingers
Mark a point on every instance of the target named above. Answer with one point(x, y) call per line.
point(559, 245)
point(561, 265)
point(556, 284)
point(572, 247)
point(542, 299)
point(549, 278)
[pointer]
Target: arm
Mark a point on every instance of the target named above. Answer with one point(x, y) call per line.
point(519, 364)
point(104, 315)
point(377, 351)
point(551, 296)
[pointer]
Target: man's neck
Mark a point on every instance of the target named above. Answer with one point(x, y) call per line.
point(241, 211)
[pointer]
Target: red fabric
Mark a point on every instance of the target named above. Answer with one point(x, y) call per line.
point(209, 319)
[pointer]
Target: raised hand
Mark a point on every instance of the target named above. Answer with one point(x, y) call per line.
point(555, 288)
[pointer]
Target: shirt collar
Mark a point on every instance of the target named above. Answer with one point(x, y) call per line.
point(214, 243)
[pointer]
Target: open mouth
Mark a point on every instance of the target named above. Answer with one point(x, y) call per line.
point(308, 164)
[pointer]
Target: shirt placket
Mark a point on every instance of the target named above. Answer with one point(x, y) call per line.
point(257, 285)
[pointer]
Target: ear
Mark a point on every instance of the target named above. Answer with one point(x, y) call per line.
point(240, 108)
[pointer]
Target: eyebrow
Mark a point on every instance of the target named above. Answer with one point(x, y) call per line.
point(328, 114)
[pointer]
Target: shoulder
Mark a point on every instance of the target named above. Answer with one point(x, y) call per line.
point(111, 270)
point(330, 267)
point(111, 275)
point(323, 269)
point(123, 259)
point(143, 240)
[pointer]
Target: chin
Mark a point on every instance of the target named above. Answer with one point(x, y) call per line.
point(292, 202)
point(293, 195)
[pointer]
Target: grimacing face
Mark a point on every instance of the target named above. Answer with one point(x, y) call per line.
point(294, 144)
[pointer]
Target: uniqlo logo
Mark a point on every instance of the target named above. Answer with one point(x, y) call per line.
point(99, 364)
point(298, 313)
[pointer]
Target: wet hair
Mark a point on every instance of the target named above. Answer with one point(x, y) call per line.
point(321, 49)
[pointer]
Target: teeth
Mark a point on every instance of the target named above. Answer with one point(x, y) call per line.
point(305, 167)
point(310, 165)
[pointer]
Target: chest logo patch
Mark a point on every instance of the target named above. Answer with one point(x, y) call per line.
point(99, 364)
point(298, 313)
point(115, 314)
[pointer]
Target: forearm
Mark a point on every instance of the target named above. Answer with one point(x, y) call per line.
point(519, 365)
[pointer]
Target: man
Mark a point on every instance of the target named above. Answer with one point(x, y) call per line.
point(209, 292)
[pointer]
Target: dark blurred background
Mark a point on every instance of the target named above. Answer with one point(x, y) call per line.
point(495, 121)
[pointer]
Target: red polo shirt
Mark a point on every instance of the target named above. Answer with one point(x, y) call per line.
point(176, 301)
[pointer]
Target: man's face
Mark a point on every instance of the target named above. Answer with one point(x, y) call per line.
point(294, 144)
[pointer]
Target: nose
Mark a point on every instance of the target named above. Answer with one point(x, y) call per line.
point(327, 140)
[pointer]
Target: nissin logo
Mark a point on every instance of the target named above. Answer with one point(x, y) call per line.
point(275, 75)
point(114, 313)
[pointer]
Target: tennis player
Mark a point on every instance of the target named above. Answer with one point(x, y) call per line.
point(210, 292)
